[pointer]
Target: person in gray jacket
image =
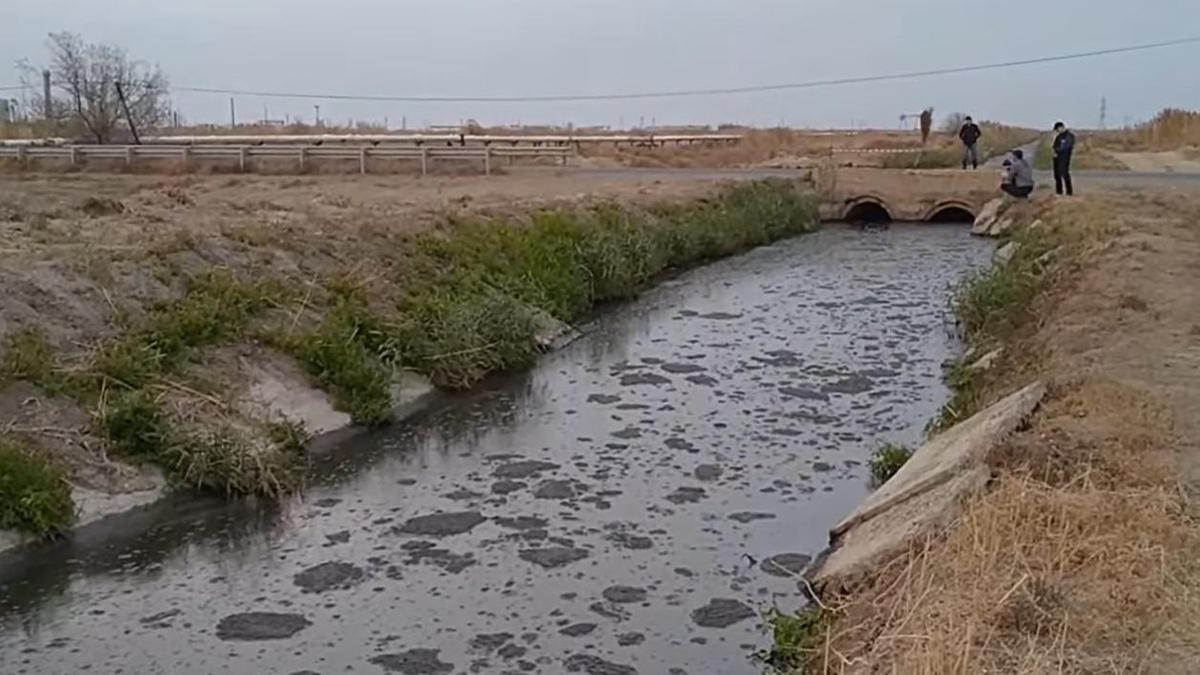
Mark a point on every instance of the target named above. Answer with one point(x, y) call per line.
point(1018, 176)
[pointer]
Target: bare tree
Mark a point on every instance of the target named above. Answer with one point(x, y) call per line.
point(88, 80)
point(954, 122)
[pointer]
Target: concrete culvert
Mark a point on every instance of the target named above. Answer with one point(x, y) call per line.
point(868, 213)
point(952, 214)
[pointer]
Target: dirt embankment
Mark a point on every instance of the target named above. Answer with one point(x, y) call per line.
point(1081, 555)
point(196, 331)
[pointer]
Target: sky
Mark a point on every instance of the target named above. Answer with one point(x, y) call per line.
point(540, 47)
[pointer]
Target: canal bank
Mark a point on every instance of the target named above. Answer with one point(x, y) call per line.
point(221, 357)
point(1074, 548)
point(615, 507)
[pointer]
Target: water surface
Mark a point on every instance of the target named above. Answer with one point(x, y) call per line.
point(609, 512)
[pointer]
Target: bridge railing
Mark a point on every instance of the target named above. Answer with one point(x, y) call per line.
point(302, 155)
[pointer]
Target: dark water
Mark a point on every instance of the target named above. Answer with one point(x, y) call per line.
point(606, 512)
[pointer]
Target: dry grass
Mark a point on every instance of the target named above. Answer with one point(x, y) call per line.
point(1084, 555)
point(1171, 129)
point(1080, 559)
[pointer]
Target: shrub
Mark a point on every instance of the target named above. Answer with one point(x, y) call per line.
point(886, 461)
point(796, 638)
point(34, 496)
point(137, 425)
point(27, 356)
point(339, 354)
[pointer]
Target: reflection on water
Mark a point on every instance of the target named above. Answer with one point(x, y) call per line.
point(610, 508)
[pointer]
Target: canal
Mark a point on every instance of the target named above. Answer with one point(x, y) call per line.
point(631, 504)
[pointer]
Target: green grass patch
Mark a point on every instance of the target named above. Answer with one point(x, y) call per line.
point(141, 431)
point(990, 307)
point(342, 353)
point(34, 495)
point(796, 639)
point(464, 309)
point(28, 356)
point(886, 461)
point(216, 309)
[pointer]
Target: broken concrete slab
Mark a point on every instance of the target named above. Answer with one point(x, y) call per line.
point(1001, 226)
point(871, 543)
point(950, 453)
point(1005, 253)
point(987, 217)
point(925, 494)
point(279, 388)
point(550, 333)
point(986, 361)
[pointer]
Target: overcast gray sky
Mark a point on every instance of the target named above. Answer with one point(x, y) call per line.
point(521, 47)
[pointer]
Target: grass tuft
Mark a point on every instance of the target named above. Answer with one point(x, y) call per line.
point(795, 639)
point(342, 354)
point(886, 461)
point(34, 495)
point(28, 356)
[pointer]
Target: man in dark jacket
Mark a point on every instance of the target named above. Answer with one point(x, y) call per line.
point(969, 134)
point(1064, 146)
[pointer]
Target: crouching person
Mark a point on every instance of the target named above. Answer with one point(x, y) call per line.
point(1018, 176)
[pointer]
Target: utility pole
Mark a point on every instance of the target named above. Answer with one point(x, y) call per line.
point(317, 108)
point(128, 117)
point(1103, 112)
point(47, 107)
point(232, 114)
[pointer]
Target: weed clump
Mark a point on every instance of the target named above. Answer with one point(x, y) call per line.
point(341, 353)
point(795, 639)
point(886, 461)
point(28, 356)
point(34, 496)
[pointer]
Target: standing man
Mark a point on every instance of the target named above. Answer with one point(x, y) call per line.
point(926, 124)
point(969, 134)
point(1064, 146)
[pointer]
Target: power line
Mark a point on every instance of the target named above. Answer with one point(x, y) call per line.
point(700, 92)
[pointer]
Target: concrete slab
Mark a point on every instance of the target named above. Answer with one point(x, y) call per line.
point(279, 388)
point(949, 454)
point(925, 495)
point(871, 544)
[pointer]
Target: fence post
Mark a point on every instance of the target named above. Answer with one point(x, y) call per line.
point(362, 161)
point(424, 161)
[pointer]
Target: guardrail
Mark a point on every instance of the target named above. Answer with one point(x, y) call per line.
point(415, 140)
point(303, 155)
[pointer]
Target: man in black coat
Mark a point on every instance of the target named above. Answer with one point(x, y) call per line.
point(969, 134)
point(1064, 147)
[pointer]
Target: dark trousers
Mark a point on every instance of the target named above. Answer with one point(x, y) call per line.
point(1018, 192)
point(1062, 176)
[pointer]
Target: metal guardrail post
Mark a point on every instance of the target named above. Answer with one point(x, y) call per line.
point(22, 158)
point(362, 161)
point(129, 152)
point(303, 158)
point(242, 152)
point(487, 160)
point(424, 161)
point(74, 156)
